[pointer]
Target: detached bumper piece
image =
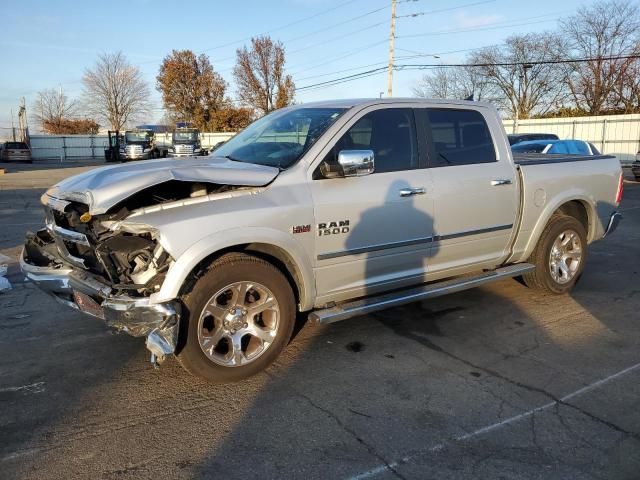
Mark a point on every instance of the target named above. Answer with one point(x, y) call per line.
point(614, 220)
point(137, 316)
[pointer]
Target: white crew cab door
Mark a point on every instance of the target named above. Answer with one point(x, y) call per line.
point(372, 233)
point(475, 189)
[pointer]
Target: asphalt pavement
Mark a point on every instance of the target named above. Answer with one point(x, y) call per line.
point(496, 382)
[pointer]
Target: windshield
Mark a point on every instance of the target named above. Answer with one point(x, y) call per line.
point(138, 136)
point(280, 138)
point(185, 136)
point(529, 148)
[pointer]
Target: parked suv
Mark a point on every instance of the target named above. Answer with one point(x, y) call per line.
point(15, 152)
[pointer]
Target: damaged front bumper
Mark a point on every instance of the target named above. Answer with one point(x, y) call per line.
point(158, 322)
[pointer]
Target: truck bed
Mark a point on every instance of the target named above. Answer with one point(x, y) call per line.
point(544, 158)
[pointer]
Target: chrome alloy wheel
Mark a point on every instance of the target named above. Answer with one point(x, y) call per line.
point(565, 257)
point(238, 324)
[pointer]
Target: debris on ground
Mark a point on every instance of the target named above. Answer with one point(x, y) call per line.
point(5, 286)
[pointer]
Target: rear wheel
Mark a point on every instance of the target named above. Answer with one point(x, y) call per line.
point(559, 256)
point(239, 317)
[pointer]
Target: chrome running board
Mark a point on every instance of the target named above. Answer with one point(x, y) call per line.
point(367, 305)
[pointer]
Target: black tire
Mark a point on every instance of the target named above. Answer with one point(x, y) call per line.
point(225, 271)
point(541, 278)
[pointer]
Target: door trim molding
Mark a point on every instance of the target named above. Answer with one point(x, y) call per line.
point(449, 236)
point(374, 248)
point(415, 241)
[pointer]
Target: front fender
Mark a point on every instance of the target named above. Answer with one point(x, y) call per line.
point(209, 245)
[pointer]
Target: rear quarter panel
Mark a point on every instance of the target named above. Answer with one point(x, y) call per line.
point(546, 187)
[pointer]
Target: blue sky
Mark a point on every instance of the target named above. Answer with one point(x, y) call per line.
point(48, 44)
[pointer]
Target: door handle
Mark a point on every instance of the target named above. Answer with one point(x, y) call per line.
point(407, 192)
point(497, 183)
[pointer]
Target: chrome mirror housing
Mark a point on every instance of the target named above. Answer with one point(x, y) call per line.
point(356, 163)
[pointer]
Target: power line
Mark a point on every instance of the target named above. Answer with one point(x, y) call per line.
point(418, 66)
point(354, 76)
point(333, 59)
point(431, 12)
point(342, 71)
point(344, 22)
point(282, 27)
point(392, 36)
point(348, 34)
point(497, 26)
point(407, 57)
point(367, 73)
point(448, 9)
point(311, 34)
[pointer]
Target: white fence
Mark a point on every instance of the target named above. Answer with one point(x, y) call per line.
point(617, 135)
point(77, 147)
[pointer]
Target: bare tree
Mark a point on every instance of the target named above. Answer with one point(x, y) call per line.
point(453, 82)
point(525, 87)
point(115, 91)
point(627, 90)
point(260, 77)
point(51, 107)
point(603, 30)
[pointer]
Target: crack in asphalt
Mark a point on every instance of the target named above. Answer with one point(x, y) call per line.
point(421, 339)
point(346, 429)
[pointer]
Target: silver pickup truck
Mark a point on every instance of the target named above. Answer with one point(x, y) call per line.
point(335, 209)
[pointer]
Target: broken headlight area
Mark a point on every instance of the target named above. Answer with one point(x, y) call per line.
point(129, 261)
point(133, 262)
point(40, 249)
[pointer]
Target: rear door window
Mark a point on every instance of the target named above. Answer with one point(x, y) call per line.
point(458, 137)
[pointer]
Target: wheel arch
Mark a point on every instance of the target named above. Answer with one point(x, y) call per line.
point(578, 206)
point(273, 246)
point(579, 210)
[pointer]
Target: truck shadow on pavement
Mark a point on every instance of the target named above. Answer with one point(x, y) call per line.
point(423, 390)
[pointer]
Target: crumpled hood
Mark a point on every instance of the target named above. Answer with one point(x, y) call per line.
point(104, 187)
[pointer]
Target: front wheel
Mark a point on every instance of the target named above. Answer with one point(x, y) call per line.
point(239, 317)
point(559, 256)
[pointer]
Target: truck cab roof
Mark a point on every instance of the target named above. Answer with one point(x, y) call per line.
point(365, 102)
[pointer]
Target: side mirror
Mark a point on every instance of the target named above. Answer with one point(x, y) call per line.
point(356, 163)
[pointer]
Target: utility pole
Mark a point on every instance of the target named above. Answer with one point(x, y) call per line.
point(22, 121)
point(392, 37)
point(13, 128)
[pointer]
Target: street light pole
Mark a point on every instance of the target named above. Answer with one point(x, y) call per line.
point(392, 37)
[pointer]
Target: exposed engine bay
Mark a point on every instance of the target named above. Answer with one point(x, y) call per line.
point(131, 262)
